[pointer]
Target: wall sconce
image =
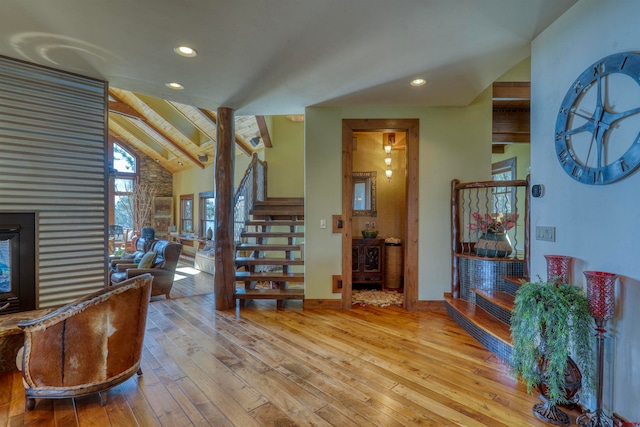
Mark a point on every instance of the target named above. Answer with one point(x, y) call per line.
point(387, 160)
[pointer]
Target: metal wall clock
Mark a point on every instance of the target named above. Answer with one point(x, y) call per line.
point(597, 134)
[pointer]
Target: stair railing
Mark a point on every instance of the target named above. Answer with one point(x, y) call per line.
point(476, 208)
point(252, 188)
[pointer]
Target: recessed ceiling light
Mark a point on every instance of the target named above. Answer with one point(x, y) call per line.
point(175, 86)
point(418, 82)
point(185, 51)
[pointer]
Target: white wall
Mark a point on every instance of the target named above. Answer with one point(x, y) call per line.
point(597, 225)
point(454, 143)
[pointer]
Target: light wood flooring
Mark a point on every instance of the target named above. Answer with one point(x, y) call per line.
point(262, 367)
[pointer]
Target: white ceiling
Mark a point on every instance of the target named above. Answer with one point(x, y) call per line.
point(265, 57)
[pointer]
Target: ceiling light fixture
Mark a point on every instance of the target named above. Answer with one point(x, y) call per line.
point(418, 82)
point(185, 51)
point(174, 86)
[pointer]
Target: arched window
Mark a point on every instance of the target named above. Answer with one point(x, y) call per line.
point(125, 176)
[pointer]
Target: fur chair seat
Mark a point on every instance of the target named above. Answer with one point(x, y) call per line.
point(88, 346)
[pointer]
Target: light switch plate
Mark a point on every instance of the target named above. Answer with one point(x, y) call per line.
point(546, 233)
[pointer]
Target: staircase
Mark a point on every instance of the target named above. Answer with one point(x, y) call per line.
point(269, 259)
point(486, 313)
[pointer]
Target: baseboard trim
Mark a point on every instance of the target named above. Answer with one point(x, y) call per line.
point(315, 304)
point(336, 304)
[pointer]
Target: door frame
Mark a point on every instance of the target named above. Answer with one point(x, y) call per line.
point(411, 127)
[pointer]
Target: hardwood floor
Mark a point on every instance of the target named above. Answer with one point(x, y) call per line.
point(260, 367)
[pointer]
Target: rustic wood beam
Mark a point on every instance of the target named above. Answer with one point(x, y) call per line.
point(264, 132)
point(123, 109)
point(224, 280)
point(162, 133)
point(242, 144)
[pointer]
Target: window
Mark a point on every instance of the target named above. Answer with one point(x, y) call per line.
point(207, 212)
point(186, 213)
point(124, 169)
point(504, 198)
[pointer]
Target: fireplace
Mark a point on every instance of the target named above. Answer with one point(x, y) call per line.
point(17, 262)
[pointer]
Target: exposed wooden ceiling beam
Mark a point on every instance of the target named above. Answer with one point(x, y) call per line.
point(264, 131)
point(242, 144)
point(123, 109)
point(127, 137)
point(165, 135)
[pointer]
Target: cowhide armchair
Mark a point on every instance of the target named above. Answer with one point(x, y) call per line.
point(88, 346)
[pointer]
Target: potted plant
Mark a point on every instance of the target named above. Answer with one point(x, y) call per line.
point(548, 322)
point(494, 241)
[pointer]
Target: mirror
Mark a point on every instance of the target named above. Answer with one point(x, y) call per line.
point(364, 194)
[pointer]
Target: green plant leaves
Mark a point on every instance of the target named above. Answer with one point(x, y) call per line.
point(551, 319)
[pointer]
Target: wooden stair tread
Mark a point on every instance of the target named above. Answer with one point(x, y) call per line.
point(276, 223)
point(500, 299)
point(246, 276)
point(481, 319)
point(515, 279)
point(274, 215)
point(268, 261)
point(269, 294)
point(266, 247)
point(271, 234)
point(280, 201)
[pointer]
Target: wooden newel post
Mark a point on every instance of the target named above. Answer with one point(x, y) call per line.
point(224, 281)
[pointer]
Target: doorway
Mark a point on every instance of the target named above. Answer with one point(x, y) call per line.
point(410, 127)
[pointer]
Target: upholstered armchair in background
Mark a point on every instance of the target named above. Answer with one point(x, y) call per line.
point(162, 267)
point(88, 346)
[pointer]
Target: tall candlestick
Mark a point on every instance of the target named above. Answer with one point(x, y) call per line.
point(601, 297)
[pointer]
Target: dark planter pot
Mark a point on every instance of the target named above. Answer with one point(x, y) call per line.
point(573, 382)
point(495, 245)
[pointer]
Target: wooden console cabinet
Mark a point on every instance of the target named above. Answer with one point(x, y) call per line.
point(368, 261)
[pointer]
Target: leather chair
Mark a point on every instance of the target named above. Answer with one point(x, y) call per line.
point(142, 247)
point(163, 268)
point(88, 346)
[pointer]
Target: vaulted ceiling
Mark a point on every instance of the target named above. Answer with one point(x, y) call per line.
point(176, 135)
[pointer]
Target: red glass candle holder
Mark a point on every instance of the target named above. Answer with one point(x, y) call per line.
point(601, 293)
point(558, 268)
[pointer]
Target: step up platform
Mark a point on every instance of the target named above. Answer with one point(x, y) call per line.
point(280, 295)
point(486, 329)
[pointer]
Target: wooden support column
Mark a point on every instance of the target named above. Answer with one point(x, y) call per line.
point(224, 281)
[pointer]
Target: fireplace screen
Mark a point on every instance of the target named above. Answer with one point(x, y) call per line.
point(9, 267)
point(5, 266)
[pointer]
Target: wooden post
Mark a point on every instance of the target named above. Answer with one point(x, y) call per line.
point(455, 239)
point(224, 281)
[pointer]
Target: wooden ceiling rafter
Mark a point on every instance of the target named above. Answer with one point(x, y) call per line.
point(123, 135)
point(123, 109)
point(264, 131)
point(151, 123)
point(242, 144)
